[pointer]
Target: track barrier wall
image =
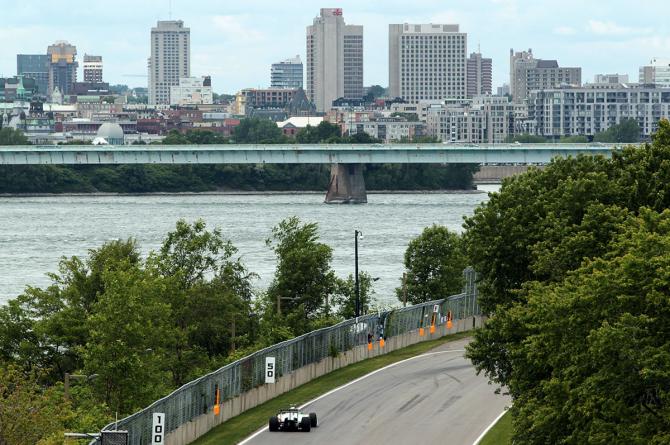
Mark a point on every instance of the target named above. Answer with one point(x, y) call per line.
point(189, 411)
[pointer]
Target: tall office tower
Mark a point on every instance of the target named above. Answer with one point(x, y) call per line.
point(334, 59)
point(62, 67)
point(170, 59)
point(287, 74)
point(427, 62)
point(480, 76)
point(528, 74)
point(657, 72)
point(35, 66)
point(92, 69)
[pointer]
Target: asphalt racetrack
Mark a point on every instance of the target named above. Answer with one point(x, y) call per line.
point(436, 398)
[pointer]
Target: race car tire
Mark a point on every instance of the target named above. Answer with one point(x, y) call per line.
point(312, 419)
point(305, 424)
point(274, 424)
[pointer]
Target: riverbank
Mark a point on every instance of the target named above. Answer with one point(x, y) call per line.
point(241, 193)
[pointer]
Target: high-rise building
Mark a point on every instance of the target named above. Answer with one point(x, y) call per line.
point(34, 66)
point(528, 73)
point(657, 72)
point(287, 74)
point(92, 68)
point(62, 67)
point(170, 59)
point(334, 59)
point(427, 62)
point(479, 76)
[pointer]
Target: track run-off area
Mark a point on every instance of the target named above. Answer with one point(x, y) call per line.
point(432, 398)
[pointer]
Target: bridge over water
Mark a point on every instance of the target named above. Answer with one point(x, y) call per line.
point(346, 183)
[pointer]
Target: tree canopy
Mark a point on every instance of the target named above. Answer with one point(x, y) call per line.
point(573, 264)
point(9, 136)
point(304, 280)
point(626, 131)
point(434, 262)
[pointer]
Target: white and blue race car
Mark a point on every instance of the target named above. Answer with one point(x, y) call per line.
point(292, 419)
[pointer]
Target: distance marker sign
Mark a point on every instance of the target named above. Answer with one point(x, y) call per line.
point(270, 370)
point(158, 429)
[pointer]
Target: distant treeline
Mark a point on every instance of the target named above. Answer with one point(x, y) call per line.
point(203, 178)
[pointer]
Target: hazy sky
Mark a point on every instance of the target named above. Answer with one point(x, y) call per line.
point(236, 41)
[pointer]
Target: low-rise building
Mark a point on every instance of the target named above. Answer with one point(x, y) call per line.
point(17, 88)
point(293, 125)
point(482, 120)
point(192, 91)
point(591, 109)
point(387, 129)
point(251, 98)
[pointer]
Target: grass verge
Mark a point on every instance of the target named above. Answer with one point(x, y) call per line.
point(501, 433)
point(236, 429)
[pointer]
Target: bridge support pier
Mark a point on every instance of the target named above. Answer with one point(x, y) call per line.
point(347, 185)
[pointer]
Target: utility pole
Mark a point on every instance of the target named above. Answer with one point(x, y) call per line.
point(358, 291)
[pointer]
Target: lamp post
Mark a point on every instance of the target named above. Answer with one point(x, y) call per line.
point(357, 287)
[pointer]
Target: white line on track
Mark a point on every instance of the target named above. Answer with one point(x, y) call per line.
point(262, 430)
point(481, 436)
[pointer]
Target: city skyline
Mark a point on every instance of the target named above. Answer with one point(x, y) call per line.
point(236, 44)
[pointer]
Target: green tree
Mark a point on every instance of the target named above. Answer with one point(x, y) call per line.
point(304, 281)
point(130, 330)
point(374, 92)
point(345, 295)
point(258, 131)
point(29, 413)
point(572, 262)
point(325, 132)
point(626, 131)
point(434, 262)
point(587, 358)
point(46, 328)
point(9, 136)
point(203, 275)
point(174, 137)
point(503, 236)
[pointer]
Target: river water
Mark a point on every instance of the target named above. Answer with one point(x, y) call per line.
point(35, 232)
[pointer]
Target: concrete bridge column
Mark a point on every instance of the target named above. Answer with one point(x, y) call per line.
point(347, 185)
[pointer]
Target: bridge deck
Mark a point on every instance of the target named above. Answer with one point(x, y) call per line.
point(296, 154)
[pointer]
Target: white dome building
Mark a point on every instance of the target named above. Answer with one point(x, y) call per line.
point(111, 133)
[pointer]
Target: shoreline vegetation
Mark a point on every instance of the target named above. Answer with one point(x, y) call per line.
point(151, 178)
point(243, 193)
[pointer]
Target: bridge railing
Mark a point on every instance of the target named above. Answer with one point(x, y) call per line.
point(198, 397)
